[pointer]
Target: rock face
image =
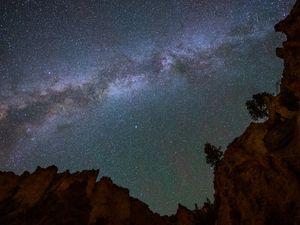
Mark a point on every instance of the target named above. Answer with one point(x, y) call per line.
point(258, 180)
point(47, 197)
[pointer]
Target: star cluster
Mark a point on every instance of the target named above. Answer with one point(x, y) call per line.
point(134, 88)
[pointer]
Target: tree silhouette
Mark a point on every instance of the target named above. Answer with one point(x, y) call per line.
point(207, 214)
point(213, 154)
point(257, 106)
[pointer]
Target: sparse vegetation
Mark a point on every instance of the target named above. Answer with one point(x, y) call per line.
point(207, 214)
point(213, 154)
point(257, 106)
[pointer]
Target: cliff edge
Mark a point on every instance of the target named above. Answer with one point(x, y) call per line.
point(48, 197)
point(258, 180)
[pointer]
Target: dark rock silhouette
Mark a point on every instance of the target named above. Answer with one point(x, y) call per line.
point(47, 197)
point(258, 180)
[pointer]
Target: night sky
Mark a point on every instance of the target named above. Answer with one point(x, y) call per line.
point(134, 88)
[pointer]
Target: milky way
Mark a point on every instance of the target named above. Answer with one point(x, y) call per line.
point(134, 88)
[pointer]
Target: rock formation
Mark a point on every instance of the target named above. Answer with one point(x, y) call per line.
point(258, 180)
point(47, 197)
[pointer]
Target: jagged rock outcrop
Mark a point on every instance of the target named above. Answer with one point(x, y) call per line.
point(48, 197)
point(258, 180)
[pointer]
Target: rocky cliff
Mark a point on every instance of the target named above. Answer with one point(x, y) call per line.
point(48, 197)
point(258, 180)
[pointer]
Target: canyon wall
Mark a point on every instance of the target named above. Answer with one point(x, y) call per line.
point(48, 197)
point(258, 180)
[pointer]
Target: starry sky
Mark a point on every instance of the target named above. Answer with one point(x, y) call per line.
point(133, 87)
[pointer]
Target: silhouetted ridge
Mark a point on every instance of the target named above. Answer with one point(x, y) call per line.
point(257, 182)
point(47, 197)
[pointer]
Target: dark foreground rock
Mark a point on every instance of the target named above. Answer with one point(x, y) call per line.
point(258, 180)
point(46, 197)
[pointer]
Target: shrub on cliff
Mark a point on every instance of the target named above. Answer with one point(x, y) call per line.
point(257, 106)
point(207, 215)
point(213, 154)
